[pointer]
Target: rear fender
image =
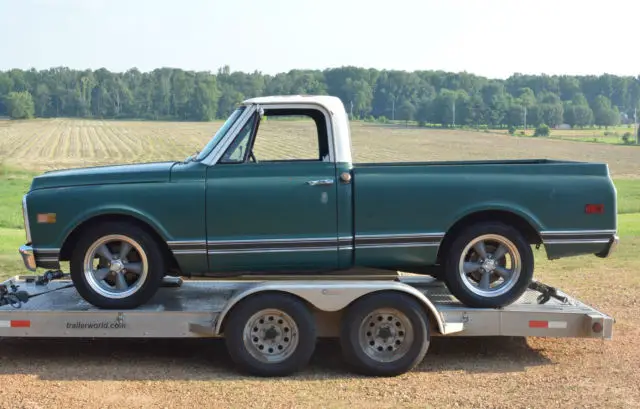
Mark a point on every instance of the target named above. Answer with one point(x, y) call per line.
point(513, 208)
point(330, 296)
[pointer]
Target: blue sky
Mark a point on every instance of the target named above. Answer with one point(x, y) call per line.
point(493, 38)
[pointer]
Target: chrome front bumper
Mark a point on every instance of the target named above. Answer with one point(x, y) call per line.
point(613, 244)
point(28, 258)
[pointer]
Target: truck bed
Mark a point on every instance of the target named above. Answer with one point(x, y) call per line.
point(414, 204)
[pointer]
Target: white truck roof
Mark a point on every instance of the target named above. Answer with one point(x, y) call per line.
point(333, 104)
point(340, 136)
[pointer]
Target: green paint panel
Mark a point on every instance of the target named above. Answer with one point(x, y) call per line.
point(403, 199)
point(137, 173)
point(268, 201)
point(174, 206)
point(345, 215)
point(396, 257)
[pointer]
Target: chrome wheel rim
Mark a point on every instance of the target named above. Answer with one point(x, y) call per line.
point(490, 265)
point(385, 335)
point(271, 335)
point(121, 268)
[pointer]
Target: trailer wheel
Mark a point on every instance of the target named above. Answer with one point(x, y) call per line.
point(270, 334)
point(489, 265)
point(117, 265)
point(384, 334)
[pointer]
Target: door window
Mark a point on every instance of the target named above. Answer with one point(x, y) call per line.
point(281, 136)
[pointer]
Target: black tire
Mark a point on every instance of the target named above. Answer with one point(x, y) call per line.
point(461, 289)
point(155, 262)
point(241, 350)
point(356, 320)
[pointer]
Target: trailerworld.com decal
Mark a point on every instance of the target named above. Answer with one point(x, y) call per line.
point(96, 325)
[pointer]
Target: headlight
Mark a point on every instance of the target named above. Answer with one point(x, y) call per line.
point(25, 217)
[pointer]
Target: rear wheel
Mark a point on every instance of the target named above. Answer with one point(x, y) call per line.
point(489, 265)
point(384, 334)
point(117, 266)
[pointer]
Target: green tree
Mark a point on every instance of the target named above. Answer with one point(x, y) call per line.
point(423, 111)
point(604, 114)
point(542, 130)
point(20, 105)
point(188, 95)
point(407, 111)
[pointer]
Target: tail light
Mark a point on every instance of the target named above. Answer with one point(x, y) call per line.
point(594, 209)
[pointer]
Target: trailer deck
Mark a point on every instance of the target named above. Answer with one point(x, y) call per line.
point(196, 308)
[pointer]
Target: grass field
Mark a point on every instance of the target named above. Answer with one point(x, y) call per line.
point(490, 372)
point(611, 135)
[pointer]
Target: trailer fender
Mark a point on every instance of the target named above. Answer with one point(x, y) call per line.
point(331, 296)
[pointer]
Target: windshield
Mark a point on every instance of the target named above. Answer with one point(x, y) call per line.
point(221, 133)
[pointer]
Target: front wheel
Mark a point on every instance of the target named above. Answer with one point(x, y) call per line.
point(489, 265)
point(117, 266)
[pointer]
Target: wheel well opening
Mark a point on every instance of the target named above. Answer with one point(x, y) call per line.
point(431, 315)
point(519, 223)
point(225, 319)
point(72, 239)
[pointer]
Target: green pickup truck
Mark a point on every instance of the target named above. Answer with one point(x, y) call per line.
point(240, 207)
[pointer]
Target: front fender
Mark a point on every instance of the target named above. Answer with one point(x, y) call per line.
point(120, 210)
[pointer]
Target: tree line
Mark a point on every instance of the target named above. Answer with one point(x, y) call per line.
point(429, 97)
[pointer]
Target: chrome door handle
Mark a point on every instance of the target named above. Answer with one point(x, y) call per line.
point(322, 182)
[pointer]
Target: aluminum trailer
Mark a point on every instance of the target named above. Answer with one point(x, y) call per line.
point(270, 325)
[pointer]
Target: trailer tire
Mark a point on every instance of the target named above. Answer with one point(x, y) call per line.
point(270, 334)
point(463, 254)
point(375, 327)
point(144, 255)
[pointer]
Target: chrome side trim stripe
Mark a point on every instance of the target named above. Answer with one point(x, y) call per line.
point(272, 250)
point(399, 240)
point(47, 259)
point(186, 243)
point(414, 235)
point(46, 255)
point(46, 251)
point(395, 245)
point(188, 252)
point(577, 236)
point(285, 241)
point(584, 241)
point(305, 244)
point(576, 232)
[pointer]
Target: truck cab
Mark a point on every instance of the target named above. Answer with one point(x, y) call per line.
point(292, 207)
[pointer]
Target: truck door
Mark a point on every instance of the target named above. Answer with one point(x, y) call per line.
point(271, 198)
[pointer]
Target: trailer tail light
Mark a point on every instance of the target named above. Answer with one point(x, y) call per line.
point(594, 209)
point(597, 327)
point(548, 324)
point(15, 324)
